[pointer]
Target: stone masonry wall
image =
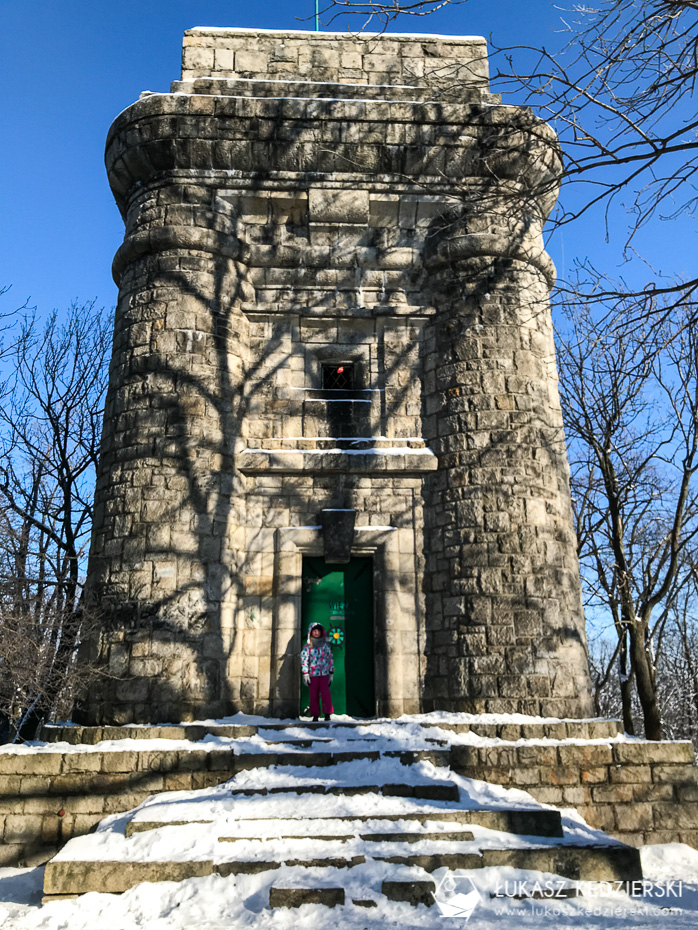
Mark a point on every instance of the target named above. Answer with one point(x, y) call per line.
point(505, 624)
point(367, 58)
point(639, 792)
point(49, 797)
point(506, 629)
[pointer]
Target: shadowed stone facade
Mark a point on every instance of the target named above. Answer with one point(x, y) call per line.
point(303, 207)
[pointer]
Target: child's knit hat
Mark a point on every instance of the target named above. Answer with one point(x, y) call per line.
point(318, 640)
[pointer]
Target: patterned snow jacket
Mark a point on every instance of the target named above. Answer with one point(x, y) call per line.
point(316, 659)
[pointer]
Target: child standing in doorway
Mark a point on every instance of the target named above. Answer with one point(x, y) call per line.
point(317, 666)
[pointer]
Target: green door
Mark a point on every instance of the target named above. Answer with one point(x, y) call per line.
point(340, 597)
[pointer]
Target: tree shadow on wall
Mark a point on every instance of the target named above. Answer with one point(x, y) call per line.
point(180, 419)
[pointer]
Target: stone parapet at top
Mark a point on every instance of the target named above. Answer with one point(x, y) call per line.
point(447, 65)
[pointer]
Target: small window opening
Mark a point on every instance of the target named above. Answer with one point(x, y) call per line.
point(338, 377)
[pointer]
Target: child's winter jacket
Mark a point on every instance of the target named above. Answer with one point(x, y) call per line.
point(316, 656)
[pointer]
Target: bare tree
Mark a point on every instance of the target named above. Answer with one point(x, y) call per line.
point(50, 424)
point(380, 13)
point(677, 672)
point(619, 90)
point(630, 407)
point(682, 669)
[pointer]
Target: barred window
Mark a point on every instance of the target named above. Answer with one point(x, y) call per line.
point(338, 377)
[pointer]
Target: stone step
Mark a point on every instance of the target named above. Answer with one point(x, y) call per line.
point(413, 892)
point(582, 863)
point(432, 791)
point(430, 862)
point(304, 743)
point(75, 877)
point(318, 757)
point(457, 836)
point(534, 822)
point(68, 876)
point(363, 890)
point(248, 866)
point(280, 896)
point(319, 741)
point(454, 836)
point(502, 729)
point(265, 759)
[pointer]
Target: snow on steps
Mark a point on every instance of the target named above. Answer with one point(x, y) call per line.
point(507, 727)
point(334, 811)
point(534, 822)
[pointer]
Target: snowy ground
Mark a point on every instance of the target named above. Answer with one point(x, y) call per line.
point(494, 895)
point(215, 903)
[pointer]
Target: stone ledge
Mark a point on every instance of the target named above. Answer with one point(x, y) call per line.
point(280, 896)
point(656, 792)
point(283, 461)
point(585, 863)
point(510, 732)
point(63, 770)
point(75, 877)
point(412, 892)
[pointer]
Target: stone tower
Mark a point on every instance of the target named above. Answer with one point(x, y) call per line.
point(333, 388)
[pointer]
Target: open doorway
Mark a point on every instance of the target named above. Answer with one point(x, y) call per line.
point(340, 597)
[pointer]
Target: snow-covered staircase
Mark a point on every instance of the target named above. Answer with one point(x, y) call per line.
point(354, 812)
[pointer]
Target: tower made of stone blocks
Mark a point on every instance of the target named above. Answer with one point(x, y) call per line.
point(333, 347)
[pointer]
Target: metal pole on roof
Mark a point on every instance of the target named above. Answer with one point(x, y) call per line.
point(317, 17)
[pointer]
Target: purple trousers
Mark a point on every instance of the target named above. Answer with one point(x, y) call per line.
point(320, 688)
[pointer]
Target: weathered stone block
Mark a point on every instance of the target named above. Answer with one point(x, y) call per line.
point(675, 816)
point(9, 787)
point(411, 892)
point(81, 762)
point(599, 815)
point(576, 796)
point(526, 776)
point(280, 896)
point(630, 774)
point(548, 795)
point(64, 877)
point(22, 827)
point(10, 854)
point(44, 764)
point(119, 803)
point(654, 792)
point(87, 804)
point(634, 817)
point(560, 775)
point(158, 760)
point(121, 761)
point(614, 794)
point(646, 752)
point(674, 774)
point(585, 756)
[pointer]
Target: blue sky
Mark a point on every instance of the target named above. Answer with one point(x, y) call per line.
point(69, 67)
